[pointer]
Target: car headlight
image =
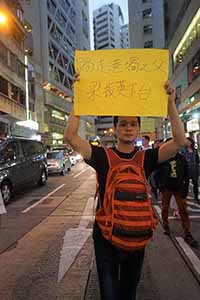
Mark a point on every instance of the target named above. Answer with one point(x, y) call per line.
point(57, 164)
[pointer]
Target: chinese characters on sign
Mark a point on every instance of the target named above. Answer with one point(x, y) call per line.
point(121, 82)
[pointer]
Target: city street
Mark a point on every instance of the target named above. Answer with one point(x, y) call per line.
point(46, 247)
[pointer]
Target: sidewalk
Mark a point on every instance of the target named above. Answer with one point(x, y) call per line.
point(165, 274)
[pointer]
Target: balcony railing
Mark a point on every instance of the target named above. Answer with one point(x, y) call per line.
point(12, 108)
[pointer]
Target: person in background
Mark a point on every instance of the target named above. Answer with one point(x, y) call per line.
point(153, 179)
point(192, 157)
point(174, 182)
point(146, 140)
point(158, 143)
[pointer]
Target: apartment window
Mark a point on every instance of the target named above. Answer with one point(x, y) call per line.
point(65, 4)
point(49, 22)
point(3, 86)
point(147, 13)
point(147, 29)
point(103, 40)
point(148, 44)
point(60, 61)
point(61, 75)
point(70, 31)
point(56, 33)
point(51, 6)
point(72, 16)
point(22, 97)
point(3, 54)
point(14, 92)
point(101, 15)
point(71, 69)
point(102, 33)
point(61, 19)
point(103, 46)
point(53, 51)
point(101, 21)
point(194, 68)
point(20, 69)
point(101, 28)
point(13, 62)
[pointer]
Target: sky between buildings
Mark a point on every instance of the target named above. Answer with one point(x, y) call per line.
point(94, 4)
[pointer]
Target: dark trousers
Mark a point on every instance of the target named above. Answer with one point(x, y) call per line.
point(195, 188)
point(182, 207)
point(118, 271)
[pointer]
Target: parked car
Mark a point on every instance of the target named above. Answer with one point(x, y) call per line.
point(58, 162)
point(21, 161)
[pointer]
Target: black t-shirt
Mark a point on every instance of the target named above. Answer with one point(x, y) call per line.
point(100, 163)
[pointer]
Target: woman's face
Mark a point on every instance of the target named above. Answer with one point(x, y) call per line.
point(189, 143)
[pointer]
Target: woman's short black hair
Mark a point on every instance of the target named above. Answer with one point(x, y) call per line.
point(192, 142)
point(115, 120)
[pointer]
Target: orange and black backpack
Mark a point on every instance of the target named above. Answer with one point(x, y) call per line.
point(126, 217)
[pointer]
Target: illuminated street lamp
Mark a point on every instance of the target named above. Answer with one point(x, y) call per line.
point(3, 19)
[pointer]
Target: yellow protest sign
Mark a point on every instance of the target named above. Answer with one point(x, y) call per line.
point(120, 82)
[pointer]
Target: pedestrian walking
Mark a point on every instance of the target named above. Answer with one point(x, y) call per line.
point(154, 179)
point(174, 207)
point(192, 157)
point(174, 182)
point(124, 220)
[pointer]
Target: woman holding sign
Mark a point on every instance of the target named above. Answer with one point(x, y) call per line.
point(124, 220)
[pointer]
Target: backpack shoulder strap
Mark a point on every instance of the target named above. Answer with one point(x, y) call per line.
point(138, 158)
point(114, 159)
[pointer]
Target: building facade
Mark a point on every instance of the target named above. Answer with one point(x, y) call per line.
point(183, 40)
point(107, 23)
point(109, 32)
point(125, 42)
point(58, 28)
point(13, 73)
point(147, 30)
point(146, 23)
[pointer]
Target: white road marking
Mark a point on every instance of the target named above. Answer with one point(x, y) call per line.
point(2, 206)
point(190, 254)
point(190, 217)
point(41, 200)
point(193, 204)
point(157, 208)
point(80, 173)
point(88, 214)
point(75, 239)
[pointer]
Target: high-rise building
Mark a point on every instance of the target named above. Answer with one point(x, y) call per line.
point(147, 30)
point(183, 36)
point(13, 73)
point(125, 43)
point(107, 22)
point(146, 23)
point(109, 32)
point(58, 28)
